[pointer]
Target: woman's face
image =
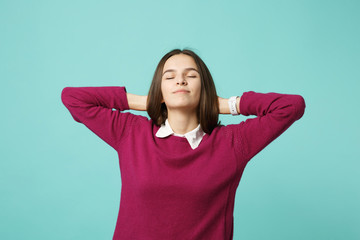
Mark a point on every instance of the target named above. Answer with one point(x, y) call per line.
point(180, 83)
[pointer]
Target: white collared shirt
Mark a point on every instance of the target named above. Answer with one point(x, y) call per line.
point(194, 137)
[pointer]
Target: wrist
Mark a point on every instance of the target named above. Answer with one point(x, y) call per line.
point(223, 106)
point(136, 102)
point(233, 104)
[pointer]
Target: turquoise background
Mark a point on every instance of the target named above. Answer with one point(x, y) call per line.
point(59, 181)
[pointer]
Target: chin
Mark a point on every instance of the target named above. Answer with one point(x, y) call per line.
point(182, 106)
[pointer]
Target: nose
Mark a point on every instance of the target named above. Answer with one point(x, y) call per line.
point(181, 81)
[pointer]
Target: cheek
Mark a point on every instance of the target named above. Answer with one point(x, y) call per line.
point(163, 87)
point(198, 87)
point(164, 91)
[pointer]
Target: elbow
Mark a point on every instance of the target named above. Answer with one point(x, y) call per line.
point(65, 95)
point(299, 106)
point(68, 97)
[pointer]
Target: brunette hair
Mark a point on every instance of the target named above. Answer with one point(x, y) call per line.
point(208, 110)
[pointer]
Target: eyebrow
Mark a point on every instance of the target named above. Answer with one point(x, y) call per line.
point(173, 70)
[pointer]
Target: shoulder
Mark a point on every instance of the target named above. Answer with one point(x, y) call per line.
point(133, 119)
point(222, 131)
point(228, 129)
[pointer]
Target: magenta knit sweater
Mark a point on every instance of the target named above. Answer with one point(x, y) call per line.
point(170, 191)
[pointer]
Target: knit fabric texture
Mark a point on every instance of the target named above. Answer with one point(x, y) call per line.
point(168, 190)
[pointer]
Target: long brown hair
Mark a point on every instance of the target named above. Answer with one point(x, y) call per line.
point(208, 110)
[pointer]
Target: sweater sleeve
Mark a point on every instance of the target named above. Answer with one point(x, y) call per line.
point(275, 113)
point(100, 109)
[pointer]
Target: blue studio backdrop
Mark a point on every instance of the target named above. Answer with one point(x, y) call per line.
point(59, 181)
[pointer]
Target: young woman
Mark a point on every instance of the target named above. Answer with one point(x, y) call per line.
point(180, 169)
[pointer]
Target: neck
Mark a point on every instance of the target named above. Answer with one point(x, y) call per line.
point(182, 123)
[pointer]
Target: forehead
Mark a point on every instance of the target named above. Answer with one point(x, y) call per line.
point(179, 62)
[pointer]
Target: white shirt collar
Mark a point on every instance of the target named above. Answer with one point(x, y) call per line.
point(194, 137)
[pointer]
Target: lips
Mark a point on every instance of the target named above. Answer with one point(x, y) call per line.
point(181, 91)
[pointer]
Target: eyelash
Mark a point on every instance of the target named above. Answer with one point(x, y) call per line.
point(168, 78)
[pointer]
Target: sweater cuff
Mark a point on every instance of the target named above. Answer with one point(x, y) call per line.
point(244, 103)
point(123, 98)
